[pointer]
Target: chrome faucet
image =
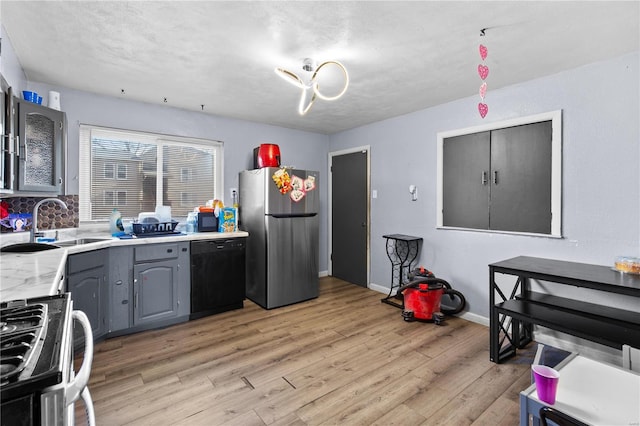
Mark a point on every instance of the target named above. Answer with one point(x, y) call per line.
point(34, 226)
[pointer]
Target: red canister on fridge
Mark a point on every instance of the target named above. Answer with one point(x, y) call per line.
point(266, 155)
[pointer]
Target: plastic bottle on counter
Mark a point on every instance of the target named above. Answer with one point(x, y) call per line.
point(192, 223)
point(115, 223)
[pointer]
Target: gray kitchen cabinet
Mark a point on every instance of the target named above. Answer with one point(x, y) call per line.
point(160, 273)
point(499, 180)
point(86, 281)
point(40, 137)
point(120, 288)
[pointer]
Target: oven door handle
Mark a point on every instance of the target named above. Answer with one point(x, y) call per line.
point(88, 406)
point(77, 385)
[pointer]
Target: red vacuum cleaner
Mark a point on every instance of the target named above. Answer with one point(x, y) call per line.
point(422, 297)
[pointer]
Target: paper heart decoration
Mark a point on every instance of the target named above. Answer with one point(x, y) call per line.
point(483, 109)
point(483, 90)
point(483, 71)
point(483, 52)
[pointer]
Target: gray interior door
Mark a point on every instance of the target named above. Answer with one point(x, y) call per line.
point(349, 218)
point(521, 178)
point(465, 180)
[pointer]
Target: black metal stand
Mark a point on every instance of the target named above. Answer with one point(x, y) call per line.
point(402, 251)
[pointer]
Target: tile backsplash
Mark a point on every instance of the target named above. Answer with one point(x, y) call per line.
point(51, 215)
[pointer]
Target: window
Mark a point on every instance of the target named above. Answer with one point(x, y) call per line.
point(122, 171)
point(109, 171)
point(186, 175)
point(186, 199)
point(136, 171)
point(108, 198)
point(502, 177)
point(115, 198)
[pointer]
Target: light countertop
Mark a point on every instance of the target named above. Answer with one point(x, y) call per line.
point(26, 275)
point(591, 391)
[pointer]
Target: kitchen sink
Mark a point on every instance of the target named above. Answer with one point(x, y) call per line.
point(80, 241)
point(27, 247)
point(35, 247)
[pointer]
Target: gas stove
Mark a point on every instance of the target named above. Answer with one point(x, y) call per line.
point(37, 381)
point(21, 329)
point(29, 354)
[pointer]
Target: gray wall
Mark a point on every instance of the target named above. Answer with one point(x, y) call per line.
point(601, 179)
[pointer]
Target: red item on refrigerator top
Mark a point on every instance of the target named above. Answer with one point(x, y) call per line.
point(267, 155)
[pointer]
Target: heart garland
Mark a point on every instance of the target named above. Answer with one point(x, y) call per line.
point(483, 90)
point(483, 72)
point(483, 52)
point(483, 109)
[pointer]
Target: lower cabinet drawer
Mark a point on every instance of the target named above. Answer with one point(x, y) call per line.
point(156, 252)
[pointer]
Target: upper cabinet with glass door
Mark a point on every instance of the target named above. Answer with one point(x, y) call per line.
point(41, 136)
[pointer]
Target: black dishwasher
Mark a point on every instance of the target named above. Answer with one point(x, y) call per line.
point(217, 276)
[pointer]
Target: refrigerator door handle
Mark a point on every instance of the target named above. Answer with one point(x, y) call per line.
point(284, 215)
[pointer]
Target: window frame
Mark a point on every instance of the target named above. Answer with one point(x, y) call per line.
point(87, 133)
point(556, 168)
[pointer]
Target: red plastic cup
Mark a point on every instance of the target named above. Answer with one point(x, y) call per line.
point(546, 379)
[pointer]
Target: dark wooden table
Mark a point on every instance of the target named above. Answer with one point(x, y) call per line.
point(512, 315)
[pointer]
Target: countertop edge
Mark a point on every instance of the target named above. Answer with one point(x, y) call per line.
point(27, 275)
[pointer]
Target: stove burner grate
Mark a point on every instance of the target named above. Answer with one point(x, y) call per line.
point(20, 330)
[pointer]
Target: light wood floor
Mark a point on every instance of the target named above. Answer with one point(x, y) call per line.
point(344, 358)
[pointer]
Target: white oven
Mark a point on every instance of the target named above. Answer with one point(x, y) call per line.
point(38, 384)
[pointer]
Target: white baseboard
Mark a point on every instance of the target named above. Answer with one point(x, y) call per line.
point(379, 288)
point(323, 274)
point(478, 319)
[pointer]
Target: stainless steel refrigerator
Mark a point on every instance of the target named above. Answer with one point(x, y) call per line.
point(279, 208)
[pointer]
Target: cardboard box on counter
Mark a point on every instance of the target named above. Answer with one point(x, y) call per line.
point(228, 219)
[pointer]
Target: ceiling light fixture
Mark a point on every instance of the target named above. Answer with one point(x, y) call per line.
point(310, 85)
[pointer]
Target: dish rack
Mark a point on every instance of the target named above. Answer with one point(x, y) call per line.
point(157, 228)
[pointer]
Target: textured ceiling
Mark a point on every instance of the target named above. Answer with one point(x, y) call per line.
point(401, 56)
